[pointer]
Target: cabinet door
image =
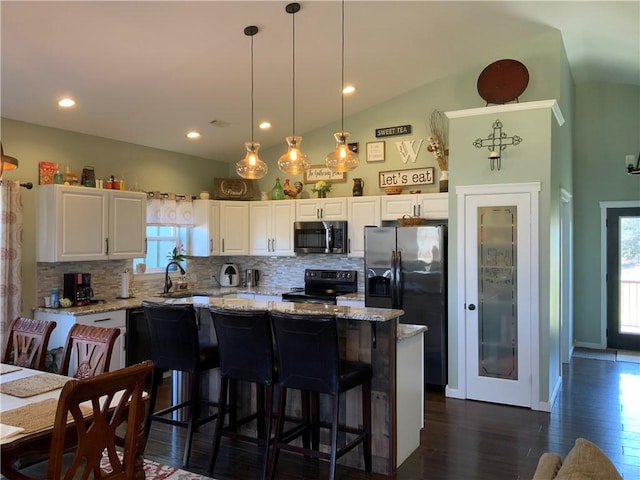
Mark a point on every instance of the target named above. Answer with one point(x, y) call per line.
point(333, 208)
point(234, 228)
point(127, 224)
point(282, 217)
point(72, 224)
point(396, 206)
point(307, 210)
point(434, 206)
point(260, 214)
point(363, 211)
point(205, 235)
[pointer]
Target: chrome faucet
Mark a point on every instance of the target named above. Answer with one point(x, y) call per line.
point(167, 281)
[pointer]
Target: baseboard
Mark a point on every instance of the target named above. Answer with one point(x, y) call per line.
point(596, 346)
point(454, 393)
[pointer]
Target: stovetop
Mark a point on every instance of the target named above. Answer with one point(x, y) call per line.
point(325, 285)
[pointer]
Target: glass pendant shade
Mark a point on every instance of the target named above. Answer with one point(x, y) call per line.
point(251, 166)
point(341, 159)
point(294, 162)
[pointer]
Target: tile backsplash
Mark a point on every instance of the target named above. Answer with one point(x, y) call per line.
point(281, 272)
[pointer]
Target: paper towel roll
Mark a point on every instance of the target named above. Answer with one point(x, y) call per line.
point(124, 285)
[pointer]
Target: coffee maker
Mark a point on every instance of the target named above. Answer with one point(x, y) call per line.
point(77, 288)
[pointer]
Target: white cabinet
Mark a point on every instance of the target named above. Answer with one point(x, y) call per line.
point(426, 205)
point(79, 223)
point(363, 211)
point(271, 228)
point(205, 234)
point(234, 228)
point(321, 209)
point(111, 319)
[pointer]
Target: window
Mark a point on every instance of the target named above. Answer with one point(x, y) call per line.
point(161, 240)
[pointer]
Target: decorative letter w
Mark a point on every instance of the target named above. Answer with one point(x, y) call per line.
point(406, 150)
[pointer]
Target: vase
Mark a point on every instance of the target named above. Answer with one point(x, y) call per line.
point(444, 181)
point(358, 187)
point(322, 194)
point(277, 192)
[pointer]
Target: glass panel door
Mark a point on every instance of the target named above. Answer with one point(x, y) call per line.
point(497, 299)
point(623, 278)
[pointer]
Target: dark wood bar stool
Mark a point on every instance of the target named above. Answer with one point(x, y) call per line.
point(245, 343)
point(309, 359)
point(175, 346)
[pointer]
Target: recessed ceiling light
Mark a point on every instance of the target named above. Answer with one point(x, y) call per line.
point(193, 134)
point(348, 90)
point(66, 102)
point(265, 125)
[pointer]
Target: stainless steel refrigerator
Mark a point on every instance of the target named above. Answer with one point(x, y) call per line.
point(405, 267)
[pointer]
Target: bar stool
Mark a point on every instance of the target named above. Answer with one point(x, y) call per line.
point(245, 344)
point(175, 346)
point(309, 359)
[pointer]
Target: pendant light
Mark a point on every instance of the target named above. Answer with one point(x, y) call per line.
point(251, 166)
point(342, 159)
point(294, 162)
point(6, 162)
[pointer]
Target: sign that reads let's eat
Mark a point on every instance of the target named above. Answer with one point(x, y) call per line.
point(402, 178)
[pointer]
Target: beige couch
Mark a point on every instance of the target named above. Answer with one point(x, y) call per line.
point(585, 461)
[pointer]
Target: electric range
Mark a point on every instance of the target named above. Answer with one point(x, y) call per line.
point(323, 286)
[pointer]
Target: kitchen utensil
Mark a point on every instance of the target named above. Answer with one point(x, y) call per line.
point(251, 277)
point(229, 275)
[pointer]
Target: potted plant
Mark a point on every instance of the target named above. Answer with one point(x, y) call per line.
point(178, 254)
point(322, 187)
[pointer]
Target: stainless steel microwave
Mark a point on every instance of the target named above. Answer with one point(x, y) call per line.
point(320, 237)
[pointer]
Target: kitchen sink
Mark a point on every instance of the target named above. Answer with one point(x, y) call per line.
point(183, 294)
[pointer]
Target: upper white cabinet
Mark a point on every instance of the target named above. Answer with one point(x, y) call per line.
point(321, 209)
point(79, 223)
point(234, 228)
point(425, 205)
point(363, 211)
point(205, 235)
point(271, 228)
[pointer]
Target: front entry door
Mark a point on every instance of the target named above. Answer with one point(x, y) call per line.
point(498, 297)
point(623, 278)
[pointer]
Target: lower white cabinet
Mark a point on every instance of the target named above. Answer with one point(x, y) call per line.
point(111, 319)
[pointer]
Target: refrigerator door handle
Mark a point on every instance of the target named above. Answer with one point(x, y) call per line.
point(398, 279)
point(393, 279)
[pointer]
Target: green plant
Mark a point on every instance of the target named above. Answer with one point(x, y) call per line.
point(177, 254)
point(322, 186)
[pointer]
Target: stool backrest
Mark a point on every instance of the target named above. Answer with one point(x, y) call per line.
point(174, 336)
point(27, 342)
point(308, 354)
point(245, 343)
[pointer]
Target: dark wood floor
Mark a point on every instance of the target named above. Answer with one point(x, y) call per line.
point(600, 401)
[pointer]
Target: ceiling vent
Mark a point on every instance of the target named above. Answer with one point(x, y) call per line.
point(220, 123)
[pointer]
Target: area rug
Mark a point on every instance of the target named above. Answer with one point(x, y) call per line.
point(157, 471)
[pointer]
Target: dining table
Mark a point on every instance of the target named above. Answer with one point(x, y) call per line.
point(28, 403)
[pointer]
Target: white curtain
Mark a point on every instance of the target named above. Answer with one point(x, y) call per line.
point(169, 209)
point(11, 224)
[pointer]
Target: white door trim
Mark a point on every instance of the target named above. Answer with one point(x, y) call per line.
point(462, 191)
point(566, 278)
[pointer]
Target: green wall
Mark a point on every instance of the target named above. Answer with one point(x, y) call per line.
point(607, 129)
point(151, 168)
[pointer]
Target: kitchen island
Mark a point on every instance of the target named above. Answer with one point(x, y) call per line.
point(369, 335)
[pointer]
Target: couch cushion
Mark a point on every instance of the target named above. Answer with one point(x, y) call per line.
point(586, 461)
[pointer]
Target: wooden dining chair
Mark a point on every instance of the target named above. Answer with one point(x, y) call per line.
point(87, 351)
point(99, 406)
point(27, 342)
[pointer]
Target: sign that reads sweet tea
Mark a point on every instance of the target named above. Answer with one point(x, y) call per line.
point(402, 178)
point(393, 131)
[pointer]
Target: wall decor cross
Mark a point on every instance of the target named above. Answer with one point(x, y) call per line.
point(495, 143)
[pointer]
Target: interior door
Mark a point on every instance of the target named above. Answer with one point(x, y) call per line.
point(623, 278)
point(498, 298)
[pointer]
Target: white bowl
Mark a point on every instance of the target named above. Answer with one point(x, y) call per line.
point(204, 195)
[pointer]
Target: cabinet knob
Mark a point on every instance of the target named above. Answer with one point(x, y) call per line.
point(471, 307)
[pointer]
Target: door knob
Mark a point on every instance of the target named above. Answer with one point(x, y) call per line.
point(471, 306)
